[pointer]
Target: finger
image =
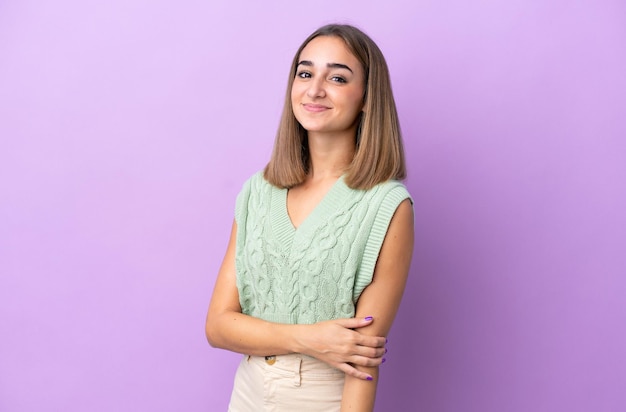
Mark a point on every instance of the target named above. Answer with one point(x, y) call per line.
point(352, 371)
point(368, 352)
point(371, 341)
point(353, 323)
point(366, 361)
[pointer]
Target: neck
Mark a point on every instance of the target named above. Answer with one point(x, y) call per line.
point(330, 155)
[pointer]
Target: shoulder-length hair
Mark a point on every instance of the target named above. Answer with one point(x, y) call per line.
point(379, 154)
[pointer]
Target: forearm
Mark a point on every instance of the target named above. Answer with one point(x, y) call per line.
point(245, 334)
point(359, 395)
point(334, 342)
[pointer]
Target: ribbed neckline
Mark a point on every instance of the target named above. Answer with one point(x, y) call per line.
point(281, 222)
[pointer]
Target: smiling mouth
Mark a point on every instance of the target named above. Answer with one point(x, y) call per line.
point(314, 107)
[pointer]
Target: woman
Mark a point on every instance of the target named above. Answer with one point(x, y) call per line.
point(322, 239)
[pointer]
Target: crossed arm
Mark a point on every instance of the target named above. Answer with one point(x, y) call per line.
point(354, 346)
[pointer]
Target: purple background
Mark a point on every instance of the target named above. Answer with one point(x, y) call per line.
point(128, 127)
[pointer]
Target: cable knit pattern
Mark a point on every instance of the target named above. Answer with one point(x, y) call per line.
point(317, 271)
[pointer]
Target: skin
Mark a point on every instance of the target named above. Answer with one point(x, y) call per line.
point(327, 98)
point(327, 92)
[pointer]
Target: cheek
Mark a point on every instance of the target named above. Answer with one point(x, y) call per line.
point(296, 90)
point(294, 98)
point(356, 101)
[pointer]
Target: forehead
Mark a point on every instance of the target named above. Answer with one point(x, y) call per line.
point(329, 49)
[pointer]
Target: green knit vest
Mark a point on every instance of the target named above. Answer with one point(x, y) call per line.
point(317, 271)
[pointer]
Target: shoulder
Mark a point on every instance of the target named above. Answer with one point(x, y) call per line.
point(390, 192)
point(252, 188)
point(390, 185)
point(254, 184)
point(254, 181)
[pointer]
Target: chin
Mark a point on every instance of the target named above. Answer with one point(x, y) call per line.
point(311, 126)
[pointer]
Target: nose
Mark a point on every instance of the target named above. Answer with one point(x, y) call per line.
point(316, 88)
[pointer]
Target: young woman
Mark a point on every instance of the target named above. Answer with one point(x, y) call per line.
point(322, 239)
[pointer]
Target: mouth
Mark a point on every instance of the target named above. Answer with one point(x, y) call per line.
point(315, 108)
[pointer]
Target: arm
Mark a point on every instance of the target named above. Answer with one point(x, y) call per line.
point(381, 300)
point(333, 342)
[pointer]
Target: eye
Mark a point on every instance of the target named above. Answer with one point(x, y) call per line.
point(338, 79)
point(303, 75)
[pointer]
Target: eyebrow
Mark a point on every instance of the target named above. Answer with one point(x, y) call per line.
point(329, 65)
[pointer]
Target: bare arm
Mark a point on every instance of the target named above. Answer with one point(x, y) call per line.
point(381, 300)
point(334, 342)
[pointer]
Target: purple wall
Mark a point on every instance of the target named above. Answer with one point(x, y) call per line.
point(128, 127)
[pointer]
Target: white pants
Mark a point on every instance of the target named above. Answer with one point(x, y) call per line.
point(286, 383)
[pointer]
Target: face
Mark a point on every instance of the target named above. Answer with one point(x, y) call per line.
point(327, 92)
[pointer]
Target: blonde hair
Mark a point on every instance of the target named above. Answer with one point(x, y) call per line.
point(379, 154)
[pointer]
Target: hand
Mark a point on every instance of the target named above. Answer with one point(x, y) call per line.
point(336, 343)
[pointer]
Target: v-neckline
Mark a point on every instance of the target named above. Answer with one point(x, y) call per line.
point(312, 213)
point(283, 224)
